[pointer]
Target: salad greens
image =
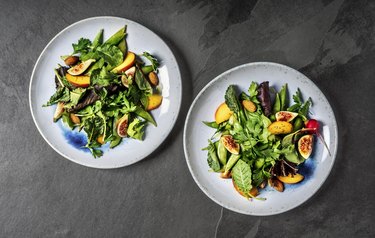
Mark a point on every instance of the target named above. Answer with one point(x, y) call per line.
point(260, 140)
point(104, 91)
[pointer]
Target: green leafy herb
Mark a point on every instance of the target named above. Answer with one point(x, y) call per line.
point(101, 104)
point(103, 77)
point(111, 54)
point(76, 95)
point(136, 129)
point(61, 95)
point(241, 174)
point(82, 46)
point(231, 99)
point(153, 60)
point(212, 158)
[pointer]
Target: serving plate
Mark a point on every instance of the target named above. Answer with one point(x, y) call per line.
point(316, 169)
point(69, 143)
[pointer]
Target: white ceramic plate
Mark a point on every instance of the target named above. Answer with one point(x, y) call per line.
point(316, 169)
point(68, 143)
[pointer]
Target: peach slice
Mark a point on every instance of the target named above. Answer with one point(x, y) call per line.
point(290, 179)
point(128, 62)
point(222, 113)
point(154, 101)
point(249, 105)
point(82, 81)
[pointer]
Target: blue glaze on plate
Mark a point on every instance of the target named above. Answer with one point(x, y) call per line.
point(75, 138)
point(78, 139)
point(307, 170)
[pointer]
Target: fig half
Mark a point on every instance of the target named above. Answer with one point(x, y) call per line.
point(230, 144)
point(305, 145)
point(122, 126)
point(285, 116)
point(80, 68)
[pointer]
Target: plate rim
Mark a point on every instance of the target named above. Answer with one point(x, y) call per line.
point(218, 201)
point(117, 165)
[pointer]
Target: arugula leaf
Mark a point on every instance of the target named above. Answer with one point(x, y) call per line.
point(134, 94)
point(241, 174)
point(95, 152)
point(82, 46)
point(61, 95)
point(297, 98)
point(300, 107)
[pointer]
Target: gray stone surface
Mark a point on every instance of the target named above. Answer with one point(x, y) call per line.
point(45, 195)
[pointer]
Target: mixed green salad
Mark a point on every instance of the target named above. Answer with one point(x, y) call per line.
point(106, 90)
point(260, 139)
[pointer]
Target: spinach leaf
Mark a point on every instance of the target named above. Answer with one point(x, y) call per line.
point(111, 54)
point(212, 159)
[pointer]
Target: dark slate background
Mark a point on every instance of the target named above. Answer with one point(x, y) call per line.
point(45, 195)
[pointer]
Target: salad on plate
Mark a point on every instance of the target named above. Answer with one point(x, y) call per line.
point(261, 138)
point(106, 90)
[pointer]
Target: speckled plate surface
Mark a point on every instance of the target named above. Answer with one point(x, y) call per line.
point(316, 169)
point(69, 143)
